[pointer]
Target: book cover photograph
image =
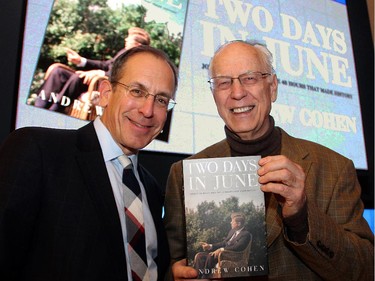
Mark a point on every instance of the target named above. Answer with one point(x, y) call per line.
point(225, 217)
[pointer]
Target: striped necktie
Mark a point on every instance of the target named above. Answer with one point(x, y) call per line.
point(134, 222)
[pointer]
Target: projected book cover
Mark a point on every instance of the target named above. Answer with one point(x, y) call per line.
point(318, 96)
point(225, 217)
point(82, 40)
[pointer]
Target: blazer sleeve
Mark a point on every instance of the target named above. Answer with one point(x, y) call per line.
point(105, 65)
point(340, 244)
point(98, 64)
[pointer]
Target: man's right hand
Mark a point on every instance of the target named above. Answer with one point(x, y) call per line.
point(73, 56)
point(181, 271)
point(205, 246)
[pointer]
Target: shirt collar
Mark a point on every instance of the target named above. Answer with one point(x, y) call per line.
point(111, 150)
point(239, 230)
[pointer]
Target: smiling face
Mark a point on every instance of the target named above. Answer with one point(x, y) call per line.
point(244, 109)
point(135, 122)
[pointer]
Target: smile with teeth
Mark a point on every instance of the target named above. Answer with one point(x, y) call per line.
point(242, 109)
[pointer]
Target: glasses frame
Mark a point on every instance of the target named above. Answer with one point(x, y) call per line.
point(239, 77)
point(171, 102)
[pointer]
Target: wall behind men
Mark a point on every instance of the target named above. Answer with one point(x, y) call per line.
point(12, 16)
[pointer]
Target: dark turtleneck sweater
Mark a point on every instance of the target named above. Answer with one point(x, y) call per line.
point(267, 145)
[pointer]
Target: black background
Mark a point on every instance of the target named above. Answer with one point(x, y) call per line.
point(12, 19)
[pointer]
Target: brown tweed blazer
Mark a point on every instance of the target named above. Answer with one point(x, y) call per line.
point(339, 244)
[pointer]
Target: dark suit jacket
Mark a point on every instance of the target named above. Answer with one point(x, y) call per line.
point(239, 243)
point(58, 217)
point(105, 65)
point(340, 244)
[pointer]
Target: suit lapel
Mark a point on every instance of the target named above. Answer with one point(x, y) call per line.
point(295, 152)
point(91, 163)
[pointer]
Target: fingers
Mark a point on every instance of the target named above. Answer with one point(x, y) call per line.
point(279, 169)
point(286, 179)
point(181, 271)
point(85, 75)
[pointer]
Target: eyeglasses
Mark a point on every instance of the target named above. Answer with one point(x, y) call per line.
point(161, 101)
point(225, 82)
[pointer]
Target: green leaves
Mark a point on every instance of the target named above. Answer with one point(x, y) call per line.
point(95, 31)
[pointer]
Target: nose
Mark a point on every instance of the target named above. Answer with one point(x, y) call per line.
point(237, 90)
point(147, 106)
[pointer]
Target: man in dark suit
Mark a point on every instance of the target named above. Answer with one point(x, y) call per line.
point(314, 214)
point(65, 81)
point(237, 240)
point(61, 192)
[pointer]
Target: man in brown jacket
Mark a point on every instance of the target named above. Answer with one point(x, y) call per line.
point(315, 227)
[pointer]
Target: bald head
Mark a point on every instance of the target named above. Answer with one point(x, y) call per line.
point(255, 50)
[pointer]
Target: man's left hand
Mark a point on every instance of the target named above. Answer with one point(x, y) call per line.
point(216, 253)
point(283, 177)
point(87, 76)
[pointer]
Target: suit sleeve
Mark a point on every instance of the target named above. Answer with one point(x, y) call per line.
point(340, 245)
point(98, 64)
point(19, 200)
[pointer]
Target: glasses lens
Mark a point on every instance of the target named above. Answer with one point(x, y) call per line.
point(161, 101)
point(221, 83)
point(136, 92)
point(171, 104)
point(250, 78)
point(247, 79)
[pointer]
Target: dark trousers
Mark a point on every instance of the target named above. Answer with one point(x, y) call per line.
point(205, 264)
point(66, 86)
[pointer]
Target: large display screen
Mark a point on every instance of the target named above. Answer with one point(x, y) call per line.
point(318, 97)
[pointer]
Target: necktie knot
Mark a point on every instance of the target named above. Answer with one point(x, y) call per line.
point(125, 162)
point(128, 176)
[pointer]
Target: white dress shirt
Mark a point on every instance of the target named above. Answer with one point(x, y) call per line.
point(111, 151)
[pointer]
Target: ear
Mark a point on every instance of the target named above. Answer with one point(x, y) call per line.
point(274, 85)
point(105, 90)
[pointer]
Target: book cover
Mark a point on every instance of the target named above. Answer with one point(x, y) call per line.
point(225, 217)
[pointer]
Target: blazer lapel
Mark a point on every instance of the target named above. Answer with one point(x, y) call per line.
point(93, 169)
point(295, 152)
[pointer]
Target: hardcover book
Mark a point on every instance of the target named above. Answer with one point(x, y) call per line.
point(225, 217)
